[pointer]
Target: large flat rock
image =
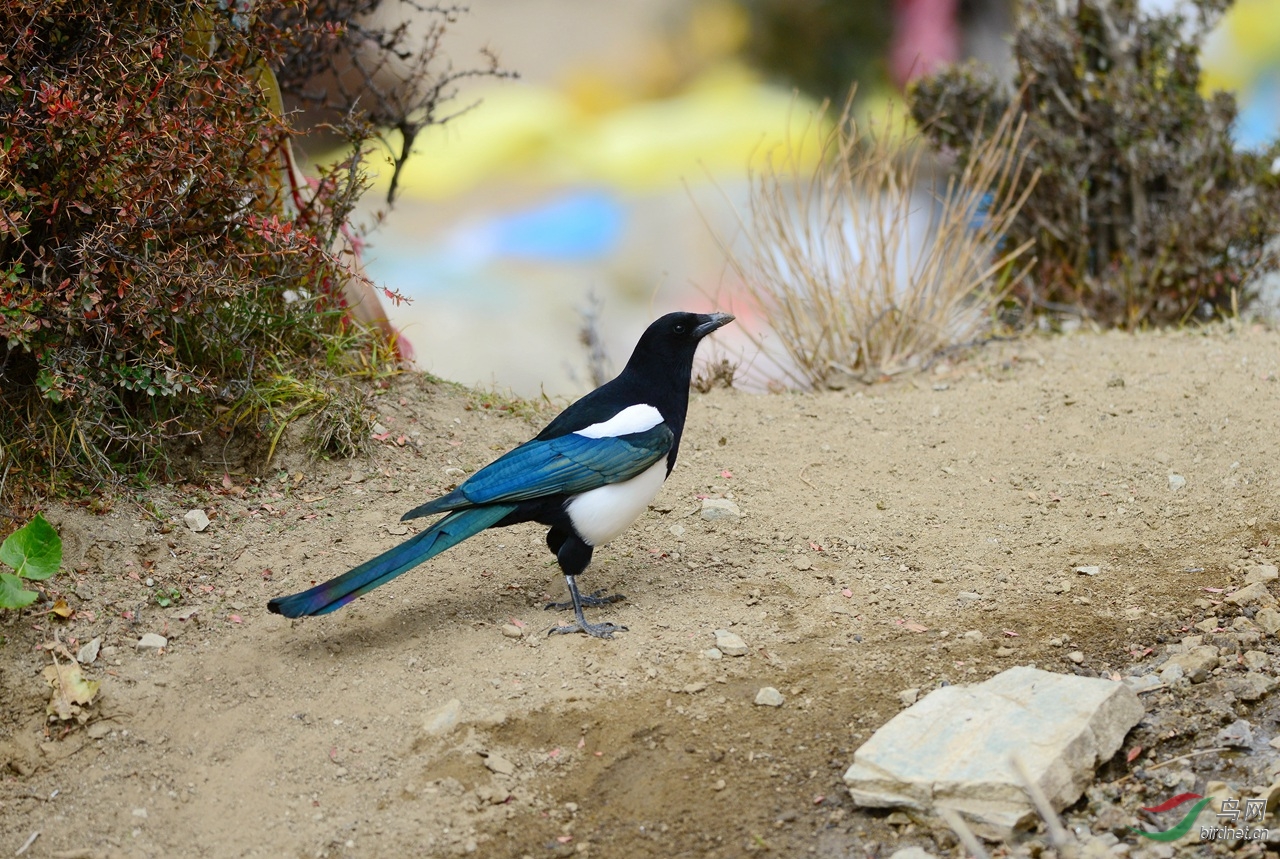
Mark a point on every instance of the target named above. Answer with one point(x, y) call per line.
point(955, 748)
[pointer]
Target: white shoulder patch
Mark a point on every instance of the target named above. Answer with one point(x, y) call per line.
point(631, 419)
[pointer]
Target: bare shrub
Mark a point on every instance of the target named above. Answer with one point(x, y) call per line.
point(1146, 213)
point(871, 263)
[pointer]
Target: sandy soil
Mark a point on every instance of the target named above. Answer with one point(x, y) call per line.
point(880, 526)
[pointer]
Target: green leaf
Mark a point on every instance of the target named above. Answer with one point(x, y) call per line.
point(34, 550)
point(12, 594)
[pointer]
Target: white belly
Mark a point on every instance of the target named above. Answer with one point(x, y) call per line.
point(604, 513)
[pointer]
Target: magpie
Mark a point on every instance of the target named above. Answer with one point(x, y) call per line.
point(587, 477)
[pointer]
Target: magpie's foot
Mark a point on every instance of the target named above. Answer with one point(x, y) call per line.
point(596, 630)
point(592, 600)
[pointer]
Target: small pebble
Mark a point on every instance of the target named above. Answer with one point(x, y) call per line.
point(712, 653)
point(1239, 734)
point(909, 696)
point(442, 719)
point(717, 509)
point(1176, 482)
point(88, 652)
point(196, 520)
point(151, 641)
point(1262, 573)
point(1268, 620)
point(1076, 656)
point(510, 630)
point(499, 765)
point(730, 643)
point(769, 697)
point(1253, 594)
point(1256, 660)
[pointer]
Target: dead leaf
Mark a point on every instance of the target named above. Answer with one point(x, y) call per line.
point(71, 691)
point(61, 609)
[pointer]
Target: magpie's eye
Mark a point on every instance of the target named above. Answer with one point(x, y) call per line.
point(679, 328)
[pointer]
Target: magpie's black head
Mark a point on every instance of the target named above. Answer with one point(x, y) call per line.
point(679, 333)
point(669, 343)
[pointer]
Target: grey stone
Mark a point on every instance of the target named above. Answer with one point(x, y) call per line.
point(500, 765)
point(442, 719)
point(954, 749)
point(730, 643)
point(1196, 662)
point(769, 697)
point(1254, 660)
point(151, 641)
point(1254, 594)
point(909, 696)
point(1238, 734)
point(1176, 482)
point(1268, 620)
point(1172, 672)
point(1144, 682)
point(88, 652)
point(718, 509)
point(1262, 573)
point(1251, 686)
point(197, 520)
point(911, 853)
point(510, 630)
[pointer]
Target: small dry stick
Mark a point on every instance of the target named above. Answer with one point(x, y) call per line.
point(1057, 834)
point(29, 842)
point(1187, 757)
point(963, 832)
point(803, 478)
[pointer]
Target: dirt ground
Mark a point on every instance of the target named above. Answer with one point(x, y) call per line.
point(880, 524)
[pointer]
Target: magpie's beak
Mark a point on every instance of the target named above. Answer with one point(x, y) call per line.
point(710, 322)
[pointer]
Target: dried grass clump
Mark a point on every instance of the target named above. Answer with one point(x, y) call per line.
point(872, 263)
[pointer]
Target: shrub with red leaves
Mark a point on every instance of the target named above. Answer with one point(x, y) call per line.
point(154, 260)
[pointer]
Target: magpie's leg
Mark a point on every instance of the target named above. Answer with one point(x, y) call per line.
point(556, 538)
point(574, 556)
point(591, 600)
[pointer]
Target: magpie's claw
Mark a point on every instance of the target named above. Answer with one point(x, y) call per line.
point(596, 630)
